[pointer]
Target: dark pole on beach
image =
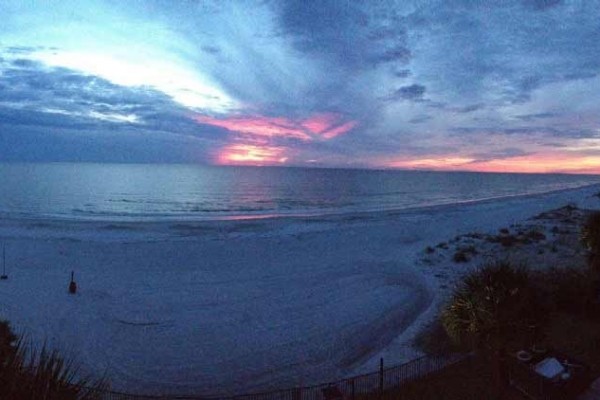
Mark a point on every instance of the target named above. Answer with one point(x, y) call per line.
point(3, 276)
point(381, 378)
point(72, 284)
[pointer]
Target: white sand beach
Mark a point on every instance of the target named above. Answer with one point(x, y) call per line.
point(237, 306)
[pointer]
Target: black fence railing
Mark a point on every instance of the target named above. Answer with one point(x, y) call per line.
point(355, 387)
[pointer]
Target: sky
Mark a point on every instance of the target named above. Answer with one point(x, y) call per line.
point(500, 86)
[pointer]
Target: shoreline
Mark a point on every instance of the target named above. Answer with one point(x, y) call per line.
point(284, 303)
point(32, 222)
point(282, 217)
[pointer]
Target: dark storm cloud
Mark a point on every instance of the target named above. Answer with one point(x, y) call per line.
point(351, 34)
point(211, 49)
point(412, 92)
point(42, 105)
point(23, 63)
point(30, 80)
point(498, 154)
point(556, 145)
point(513, 44)
point(20, 49)
point(53, 143)
point(548, 131)
point(402, 73)
point(542, 4)
point(467, 109)
point(533, 117)
point(28, 117)
point(398, 54)
point(420, 119)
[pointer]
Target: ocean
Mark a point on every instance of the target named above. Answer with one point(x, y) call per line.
point(131, 192)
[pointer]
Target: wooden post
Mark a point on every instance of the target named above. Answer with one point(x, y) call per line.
point(381, 378)
point(3, 276)
point(352, 384)
point(72, 284)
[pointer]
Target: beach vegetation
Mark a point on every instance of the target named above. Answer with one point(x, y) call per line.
point(590, 236)
point(27, 373)
point(474, 235)
point(490, 305)
point(460, 256)
point(535, 235)
point(464, 253)
point(557, 231)
point(551, 306)
point(490, 308)
point(504, 240)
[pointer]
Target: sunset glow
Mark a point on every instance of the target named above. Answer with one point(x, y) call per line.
point(546, 163)
point(246, 154)
point(252, 146)
point(543, 163)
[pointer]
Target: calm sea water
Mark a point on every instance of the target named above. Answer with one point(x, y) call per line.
point(149, 192)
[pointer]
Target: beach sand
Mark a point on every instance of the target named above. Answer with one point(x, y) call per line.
point(235, 306)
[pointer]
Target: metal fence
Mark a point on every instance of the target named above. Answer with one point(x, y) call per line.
point(348, 388)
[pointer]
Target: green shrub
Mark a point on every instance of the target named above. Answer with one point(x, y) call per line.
point(504, 240)
point(492, 305)
point(29, 374)
point(460, 256)
point(590, 236)
point(535, 235)
point(7, 339)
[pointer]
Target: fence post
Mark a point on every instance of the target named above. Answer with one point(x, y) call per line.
point(381, 378)
point(352, 385)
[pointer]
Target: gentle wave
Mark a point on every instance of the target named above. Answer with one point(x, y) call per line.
point(135, 192)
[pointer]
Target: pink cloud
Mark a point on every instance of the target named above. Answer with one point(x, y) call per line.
point(254, 147)
point(320, 126)
point(320, 122)
point(339, 130)
point(259, 125)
